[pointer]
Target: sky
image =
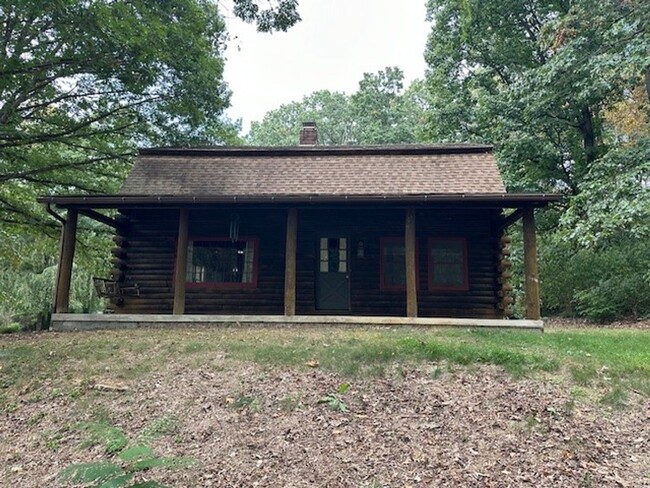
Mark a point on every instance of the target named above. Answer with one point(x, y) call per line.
point(336, 42)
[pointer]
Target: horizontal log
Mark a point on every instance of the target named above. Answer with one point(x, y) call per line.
point(119, 263)
point(118, 252)
point(122, 219)
point(120, 240)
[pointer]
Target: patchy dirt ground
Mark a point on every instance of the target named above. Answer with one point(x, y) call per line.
point(568, 323)
point(254, 426)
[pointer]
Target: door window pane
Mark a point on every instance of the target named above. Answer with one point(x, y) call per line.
point(333, 255)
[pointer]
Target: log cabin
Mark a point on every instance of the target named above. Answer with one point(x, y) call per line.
point(308, 233)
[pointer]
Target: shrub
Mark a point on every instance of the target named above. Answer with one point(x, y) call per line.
point(606, 283)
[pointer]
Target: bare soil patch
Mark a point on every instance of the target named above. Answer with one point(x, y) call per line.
point(434, 425)
point(576, 323)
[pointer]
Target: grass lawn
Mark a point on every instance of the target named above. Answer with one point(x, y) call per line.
point(257, 405)
point(613, 361)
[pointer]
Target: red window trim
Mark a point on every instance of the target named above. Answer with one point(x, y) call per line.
point(230, 286)
point(382, 286)
point(465, 285)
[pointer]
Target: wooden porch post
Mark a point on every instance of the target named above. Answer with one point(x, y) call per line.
point(181, 263)
point(411, 265)
point(531, 277)
point(290, 263)
point(66, 258)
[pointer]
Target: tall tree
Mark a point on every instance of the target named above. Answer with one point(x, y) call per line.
point(332, 112)
point(82, 82)
point(379, 112)
point(273, 16)
point(561, 88)
point(534, 77)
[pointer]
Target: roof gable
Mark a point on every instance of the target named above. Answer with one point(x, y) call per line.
point(316, 171)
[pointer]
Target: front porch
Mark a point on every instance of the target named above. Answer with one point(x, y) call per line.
point(372, 264)
point(69, 321)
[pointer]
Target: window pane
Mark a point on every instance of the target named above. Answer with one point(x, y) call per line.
point(220, 262)
point(393, 264)
point(448, 263)
point(333, 255)
point(448, 274)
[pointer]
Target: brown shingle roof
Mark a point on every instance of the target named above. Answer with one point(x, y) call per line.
point(354, 171)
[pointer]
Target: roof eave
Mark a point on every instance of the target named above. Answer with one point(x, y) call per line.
point(506, 200)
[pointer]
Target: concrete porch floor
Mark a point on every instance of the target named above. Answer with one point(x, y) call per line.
point(70, 321)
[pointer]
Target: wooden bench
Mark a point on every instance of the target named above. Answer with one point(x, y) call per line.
point(112, 289)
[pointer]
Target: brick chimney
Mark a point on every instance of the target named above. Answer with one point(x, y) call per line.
point(309, 134)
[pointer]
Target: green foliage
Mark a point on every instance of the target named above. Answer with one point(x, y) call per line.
point(604, 283)
point(379, 112)
point(27, 294)
point(111, 438)
point(10, 328)
point(99, 472)
point(331, 111)
point(246, 401)
point(155, 429)
point(83, 82)
point(535, 82)
point(595, 218)
point(277, 16)
point(334, 400)
point(561, 89)
point(126, 462)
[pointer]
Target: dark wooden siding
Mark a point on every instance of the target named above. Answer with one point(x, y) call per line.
point(478, 227)
point(150, 251)
point(147, 256)
point(148, 244)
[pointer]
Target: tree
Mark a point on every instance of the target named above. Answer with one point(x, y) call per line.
point(379, 112)
point(535, 80)
point(384, 112)
point(561, 88)
point(83, 82)
point(278, 15)
point(332, 112)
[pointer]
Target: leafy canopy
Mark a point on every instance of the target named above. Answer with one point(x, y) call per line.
point(541, 80)
point(379, 112)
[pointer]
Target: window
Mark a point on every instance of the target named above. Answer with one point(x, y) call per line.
point(333, 255)
point(222, 262)
point(392, 268)
point(448, 264)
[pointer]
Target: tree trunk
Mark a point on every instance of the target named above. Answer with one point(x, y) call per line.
point(588, 137)
point(647, 84)
point(588, 134)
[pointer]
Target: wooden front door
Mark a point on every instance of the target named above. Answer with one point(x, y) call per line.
point(333, 274)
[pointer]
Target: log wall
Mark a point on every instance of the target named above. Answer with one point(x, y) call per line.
point(479, 227)
point(145, 254)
